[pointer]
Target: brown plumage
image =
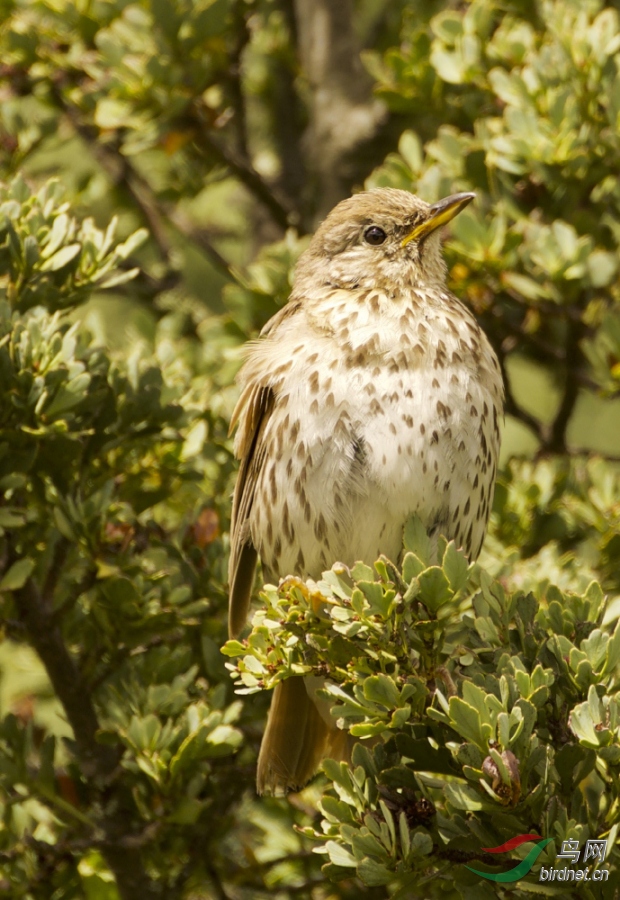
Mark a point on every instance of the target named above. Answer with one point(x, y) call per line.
point(372, 395)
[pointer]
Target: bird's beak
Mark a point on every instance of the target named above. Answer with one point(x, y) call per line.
point(439, 213)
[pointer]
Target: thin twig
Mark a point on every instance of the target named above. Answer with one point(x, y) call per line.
point(557, 436)
point(281, 213)
point(155, 213)
point(512, 407)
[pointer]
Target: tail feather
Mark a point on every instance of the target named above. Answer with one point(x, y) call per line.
point(297, 739)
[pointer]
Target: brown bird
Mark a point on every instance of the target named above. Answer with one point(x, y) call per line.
point(372, 396)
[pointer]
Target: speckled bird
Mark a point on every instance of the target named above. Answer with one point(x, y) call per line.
point(371, 396)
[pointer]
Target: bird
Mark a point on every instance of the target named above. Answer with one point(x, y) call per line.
point(371, 396)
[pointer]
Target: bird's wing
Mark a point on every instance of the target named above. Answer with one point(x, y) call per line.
point(252, 411)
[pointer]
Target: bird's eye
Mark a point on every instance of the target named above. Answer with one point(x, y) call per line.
point(374, 235)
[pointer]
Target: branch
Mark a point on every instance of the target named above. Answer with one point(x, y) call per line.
point(123, 175)
point(512, 407)
point(557, 437)
point(288, 119)
point(240, 13)
point(283, 215)
point(98, 761)
point(36, 613)
point(344, 116)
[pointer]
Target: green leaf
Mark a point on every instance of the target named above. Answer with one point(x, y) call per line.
point(435, 589)
point(466, 721)
point(381, 689)
point(61, 258)
point(412, 566)
point(233, 648)
point(340, 856)
point(602, 267)
point(456, 567)
point(525, 286)
point(124, 250)
point(373, 873)
point(417, 540)
point(17, 575)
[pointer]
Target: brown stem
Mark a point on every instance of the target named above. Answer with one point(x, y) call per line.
point(283, 215)
point(155, 214)
point(288, 118)
point(36, 613)
point(98, 761)
point(233, 76)
point(556, 442)
point(344, 117)
point(512, 407)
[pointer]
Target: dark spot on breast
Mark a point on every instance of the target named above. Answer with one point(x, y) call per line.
point(358, 445)
point(320, 528)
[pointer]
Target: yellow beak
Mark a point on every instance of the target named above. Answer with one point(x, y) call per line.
point(439, 213)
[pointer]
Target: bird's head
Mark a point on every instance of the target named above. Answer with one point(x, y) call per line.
point(384, 238)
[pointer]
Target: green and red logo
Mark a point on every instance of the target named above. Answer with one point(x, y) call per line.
point(523, 866)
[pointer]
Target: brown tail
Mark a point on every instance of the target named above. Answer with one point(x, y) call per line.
point(298, 736)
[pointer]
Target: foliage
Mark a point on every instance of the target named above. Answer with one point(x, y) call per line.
point(90, 449)
point(195, 146)
point(496, 714)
